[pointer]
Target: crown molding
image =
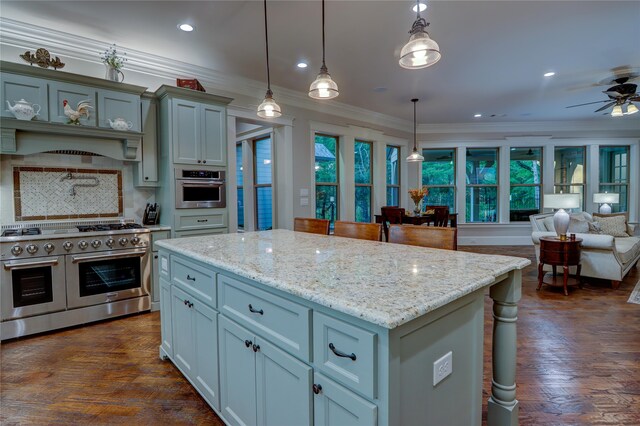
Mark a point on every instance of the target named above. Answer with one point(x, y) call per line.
point(25, 36)
point(533, 127)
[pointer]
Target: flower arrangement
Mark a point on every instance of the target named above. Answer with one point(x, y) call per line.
point(111, 57)
point(417, 194)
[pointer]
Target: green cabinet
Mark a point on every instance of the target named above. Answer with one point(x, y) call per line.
point(73, 94)
point(156, 235)
point(15, 87)
point(214, 135)
point(112, 105)
point(166, 320)
point(335, 405)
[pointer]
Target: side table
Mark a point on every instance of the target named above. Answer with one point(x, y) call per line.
point(556, 252)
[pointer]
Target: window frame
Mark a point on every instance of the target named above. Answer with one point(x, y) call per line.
point(563, 186)
point(336, 184)
point(616, 184)
point(539, 185)
point(257, 185)
point(370, 184)
point(454, 158)
point(484, 185)
point(398, 172)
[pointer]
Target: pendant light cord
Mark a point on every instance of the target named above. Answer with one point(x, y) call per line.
point(322, 34)
point(415, 138)
point(266, 38)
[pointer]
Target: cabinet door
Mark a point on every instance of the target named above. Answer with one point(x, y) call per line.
point(186, 131)
point(112, 105)
point(283, 384)
point(149, 163)
point(183, 340)
point(214, 136)
point(73, 93)
point(205, 326)
point(165, 317)
point(155, 279)
point(237, 374)
point(335, 405)
point(15, 87)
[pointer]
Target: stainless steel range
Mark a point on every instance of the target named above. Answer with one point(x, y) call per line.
point(64, 274)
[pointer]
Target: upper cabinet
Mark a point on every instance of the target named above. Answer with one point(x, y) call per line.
point(33, 90)
point(73, 94)
point(195, 131)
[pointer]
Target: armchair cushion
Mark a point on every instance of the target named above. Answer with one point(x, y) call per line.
point(628, 248)
point(593, 241)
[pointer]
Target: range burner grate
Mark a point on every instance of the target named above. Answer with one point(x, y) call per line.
point(108, 227)
point(20, 232)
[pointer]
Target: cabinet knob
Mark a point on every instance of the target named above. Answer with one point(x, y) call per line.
point(155, 257)
point(317, 389)
point(204, 161)
point(247, 343)
point(255, 311)
point(190, 278)
point(146, 178)
point(256, 348)
point(199, 161)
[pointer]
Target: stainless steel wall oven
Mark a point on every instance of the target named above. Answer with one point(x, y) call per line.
point(200, 189)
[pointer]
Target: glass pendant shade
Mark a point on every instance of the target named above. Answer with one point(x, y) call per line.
point(415, 156)
point(632, 109)
point(420, 52)
point(617, 111)
point(323, 87)
point(269, 108)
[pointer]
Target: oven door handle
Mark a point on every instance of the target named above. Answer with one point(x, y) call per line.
point(20, 265)
point(213, 184)
point(119, 255)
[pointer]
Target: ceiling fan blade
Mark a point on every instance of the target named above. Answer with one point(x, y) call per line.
point(610, 104)
point(613, 94)
point(588, 103)
point(635, 98)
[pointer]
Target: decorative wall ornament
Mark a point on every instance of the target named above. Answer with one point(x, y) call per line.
point(42, 58)
point(74, 115)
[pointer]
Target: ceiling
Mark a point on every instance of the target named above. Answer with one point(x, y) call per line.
point(494, 53)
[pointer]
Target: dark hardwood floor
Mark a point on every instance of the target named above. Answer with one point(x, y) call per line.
point(578, 363)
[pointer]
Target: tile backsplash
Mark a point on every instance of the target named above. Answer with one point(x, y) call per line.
point(46, 193)
point(113, 197)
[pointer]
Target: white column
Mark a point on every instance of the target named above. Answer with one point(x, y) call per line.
point(249, 190)
point(232, 178)
point(379, 196)
point(592, 169)
point(504, 176)
point(346, 168)
point(283, 178)
point(461, 183)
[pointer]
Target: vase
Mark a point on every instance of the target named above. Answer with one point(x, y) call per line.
point(418, 208)
point(113, 74)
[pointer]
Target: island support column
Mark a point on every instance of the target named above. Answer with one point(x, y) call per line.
point(503, 405)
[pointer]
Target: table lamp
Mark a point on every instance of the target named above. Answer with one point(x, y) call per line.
point(605, 198)
point(561, 218)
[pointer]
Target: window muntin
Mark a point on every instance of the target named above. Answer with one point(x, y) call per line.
point(363, 178)
point(262, 159)
point(393, 175)
point(326, 174)
point(569, 171)
point(439, 175)
point(482, 185)
point(614, 174)
point(525, 178)
point(239, 187)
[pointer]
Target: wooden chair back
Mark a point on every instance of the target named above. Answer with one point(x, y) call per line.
point(424, 236)
point(312, 226)
point(391, 215)
point(441, 215)
point(359, 230)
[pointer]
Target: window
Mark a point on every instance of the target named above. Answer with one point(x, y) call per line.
point(614, 174)
point(393, 175)
point(262, 183)
point(240, 189)
point(363, 166)
point(569, 172)
point(326, 171)
point(439, 175)
point(525, 171)
point(482, 185)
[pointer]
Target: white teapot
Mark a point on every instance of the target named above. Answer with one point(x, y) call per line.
point(120, 124)
point(23, 110)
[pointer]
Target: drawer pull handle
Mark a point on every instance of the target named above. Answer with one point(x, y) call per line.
point(256, 348)
point(341, 354)
point(203, 220)
point(255, 311)
point(247, 343)
point(317, 389)
point(190, 278)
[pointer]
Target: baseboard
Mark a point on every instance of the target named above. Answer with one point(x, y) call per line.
point(495, 241)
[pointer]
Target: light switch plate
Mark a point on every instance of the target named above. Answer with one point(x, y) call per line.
point(304, 201)
point(442, 368)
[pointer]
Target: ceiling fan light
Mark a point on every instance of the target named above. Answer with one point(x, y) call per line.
point(631, 109)
point(617, 111)
point(415, 156)
point(419, 52)
point(323, 87)
point(269, 108)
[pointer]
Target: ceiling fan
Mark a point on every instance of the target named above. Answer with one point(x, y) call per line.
point(623, 93)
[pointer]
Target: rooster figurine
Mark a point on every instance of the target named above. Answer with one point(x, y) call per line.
point(74, 115)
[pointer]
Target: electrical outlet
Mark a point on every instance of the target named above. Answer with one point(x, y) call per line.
point(442, 368)
point(304, 201)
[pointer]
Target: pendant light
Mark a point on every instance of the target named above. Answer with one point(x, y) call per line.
point(420, 51)
point(631, 109)
point(415, 155)
point(268, 108)
point(323, 86)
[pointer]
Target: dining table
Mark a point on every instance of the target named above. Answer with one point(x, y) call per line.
point(422, 219)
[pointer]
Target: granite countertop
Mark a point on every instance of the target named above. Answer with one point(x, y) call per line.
point(154, 228)
point(382, 283)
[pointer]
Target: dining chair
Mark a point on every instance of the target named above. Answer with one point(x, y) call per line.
point(391, 215)
point(424, 236)
point(359, 230)
point(312, 226)
point(441, 217)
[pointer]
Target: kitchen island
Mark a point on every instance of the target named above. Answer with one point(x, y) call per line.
point(281, 327)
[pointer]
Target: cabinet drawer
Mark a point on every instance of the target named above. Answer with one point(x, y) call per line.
point(285, 323)
point(357, 367)
point(207, 220)
point(195, 279)
point(200, 232)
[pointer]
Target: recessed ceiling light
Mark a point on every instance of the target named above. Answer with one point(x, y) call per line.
point(302, 65)
point(549, 74)
point(423, 7)
point(186, 27)
point(380, 89)
point(478, 115)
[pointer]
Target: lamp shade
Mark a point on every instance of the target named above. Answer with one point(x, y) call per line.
point(631, 109)
point(617, 111)
point(420, 52)
point(561, 201)
point(605, 197)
